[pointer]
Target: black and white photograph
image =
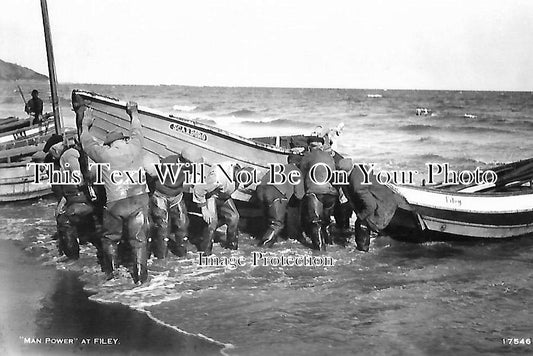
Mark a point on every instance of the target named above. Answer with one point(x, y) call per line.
point(261, 177)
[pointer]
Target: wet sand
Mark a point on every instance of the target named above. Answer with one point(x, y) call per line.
point(41, 307)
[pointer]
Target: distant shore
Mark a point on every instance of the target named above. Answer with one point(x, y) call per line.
point(45, 311)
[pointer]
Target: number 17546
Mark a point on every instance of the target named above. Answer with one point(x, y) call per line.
point(517, 341)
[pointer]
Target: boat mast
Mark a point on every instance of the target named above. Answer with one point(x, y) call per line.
point(58, 120)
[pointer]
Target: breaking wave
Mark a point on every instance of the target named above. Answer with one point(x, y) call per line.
point(242, 113)
point(186, 108)
point(418, 128)
point(277, 122)
point(476, 129)
point(205, 107)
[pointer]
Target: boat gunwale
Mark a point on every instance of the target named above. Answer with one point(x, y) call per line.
point(15, 164)
point(434, 190)
point(47, 125)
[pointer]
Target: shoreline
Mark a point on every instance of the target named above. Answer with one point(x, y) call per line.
point(47, 311)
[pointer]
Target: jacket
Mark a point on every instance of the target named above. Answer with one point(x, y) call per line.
point(130, 158)
point(373, 202)
point(219, 182)
point(317, 158)
point(287, 189)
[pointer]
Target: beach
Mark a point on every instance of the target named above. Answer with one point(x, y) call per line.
point(46, 311)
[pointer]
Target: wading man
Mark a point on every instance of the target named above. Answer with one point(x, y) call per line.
point(274, 199)
point(320, 195)
point(218, 208)
point(127, 198)
point(170, 222)
point(76, 220)
point(374, 204)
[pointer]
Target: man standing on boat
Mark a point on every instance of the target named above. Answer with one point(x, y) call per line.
point(374, 204)
point(170, 222)
point(75, 217)
point(320, 195)
point(218, 208)
point(34, 107)
point(127, 201)
point(275, 197)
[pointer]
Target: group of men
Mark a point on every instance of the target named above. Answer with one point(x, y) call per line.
point(154, 212)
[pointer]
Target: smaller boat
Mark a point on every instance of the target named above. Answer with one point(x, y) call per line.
point(374, 96)
point(19, 141)
point(470, 116)
point(17, 182)
point(22, 136)
point(13, 123)
point(499, 210)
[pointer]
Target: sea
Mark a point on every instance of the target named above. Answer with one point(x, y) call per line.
point(472, 297)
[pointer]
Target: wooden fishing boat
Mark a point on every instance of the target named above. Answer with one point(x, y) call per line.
point(13, 123)
point(24, 137)
point(17, 183)
point(494, 211)
point(22, 129)
point(17, 180)
point(17, 146)
point(166, 134)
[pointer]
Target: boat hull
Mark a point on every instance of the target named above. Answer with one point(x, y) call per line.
point(17, 183)
point(433, 214)
point(11, 138)
point(165, 135)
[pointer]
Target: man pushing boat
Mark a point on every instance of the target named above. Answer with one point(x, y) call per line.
point(127, 198)
point(75, 216)
point(320, 199)
point(168, 211)
point(275, 197)
point(374, 204)
point(218, 208)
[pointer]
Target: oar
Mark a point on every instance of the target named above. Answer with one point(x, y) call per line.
point(21, 94)
point(520, 171)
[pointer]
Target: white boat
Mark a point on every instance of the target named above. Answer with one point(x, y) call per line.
point(500, 210)
point(17, 183)
point(166, 134)
point(22, 132)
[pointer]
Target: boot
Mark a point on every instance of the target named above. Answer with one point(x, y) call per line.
point(269, 238)
point(158, 247)
point(124, 253)
point(99, 252)
point(177, 247)
point(326, 231)
point(317, 237)
point(110, 258)
point(68, 244)
point(362, 237)
point(304, 240)
point(232, 241)
point(205, 245)
point(139, 271)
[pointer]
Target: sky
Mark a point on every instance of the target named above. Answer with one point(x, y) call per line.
point(388, 44)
